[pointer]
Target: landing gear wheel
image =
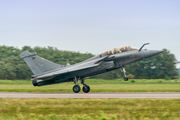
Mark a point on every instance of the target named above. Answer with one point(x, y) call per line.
point(125, 78)
point(86, 88)
point(76, 88)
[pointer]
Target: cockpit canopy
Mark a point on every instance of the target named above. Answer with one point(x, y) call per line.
point(119, 50)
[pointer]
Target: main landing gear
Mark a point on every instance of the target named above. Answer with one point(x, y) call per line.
point(124, 72)
point(86, 88)
point(77, 88)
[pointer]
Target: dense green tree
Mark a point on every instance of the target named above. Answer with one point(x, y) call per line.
point(159, 66)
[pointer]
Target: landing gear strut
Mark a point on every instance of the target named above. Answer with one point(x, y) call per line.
point(124, 72)
point(77, 88)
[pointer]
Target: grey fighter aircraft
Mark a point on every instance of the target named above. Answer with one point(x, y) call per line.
point(47, 72)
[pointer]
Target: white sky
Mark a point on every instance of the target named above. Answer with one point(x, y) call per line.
point(92, 26)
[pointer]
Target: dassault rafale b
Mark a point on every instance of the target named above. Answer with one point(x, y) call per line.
point(47, 72)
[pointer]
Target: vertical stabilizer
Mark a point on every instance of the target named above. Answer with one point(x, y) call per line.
point(38, 64)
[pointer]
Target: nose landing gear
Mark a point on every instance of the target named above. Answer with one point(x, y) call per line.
point(124, 72)
point(77, 88)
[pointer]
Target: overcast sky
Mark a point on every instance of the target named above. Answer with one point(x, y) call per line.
point(92, 26)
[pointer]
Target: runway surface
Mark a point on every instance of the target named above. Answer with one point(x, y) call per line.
point(158, 95)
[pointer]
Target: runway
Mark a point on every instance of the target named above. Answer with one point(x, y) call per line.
point(157, 95)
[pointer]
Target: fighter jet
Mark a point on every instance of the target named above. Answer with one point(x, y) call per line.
point(46, 72)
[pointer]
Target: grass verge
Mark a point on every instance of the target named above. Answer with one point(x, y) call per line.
point(154, 85)
point(89, 109)
point(94, 88)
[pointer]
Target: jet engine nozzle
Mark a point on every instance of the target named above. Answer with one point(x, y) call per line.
point(38, 82)
point(34, 82)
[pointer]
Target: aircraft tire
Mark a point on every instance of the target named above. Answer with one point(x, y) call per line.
point(125, 78)
point(76, 88)
point(86, 88)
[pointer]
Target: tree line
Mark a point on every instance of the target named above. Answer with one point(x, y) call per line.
point(12, 67)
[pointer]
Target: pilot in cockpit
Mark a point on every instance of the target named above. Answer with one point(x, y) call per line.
point(119, 50)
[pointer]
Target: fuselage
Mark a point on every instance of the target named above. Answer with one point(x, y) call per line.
point(98, 64)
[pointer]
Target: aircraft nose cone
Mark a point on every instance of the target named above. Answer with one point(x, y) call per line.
point(150, 53)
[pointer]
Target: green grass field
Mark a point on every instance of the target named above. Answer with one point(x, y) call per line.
point(89, 109)
point(154, 85)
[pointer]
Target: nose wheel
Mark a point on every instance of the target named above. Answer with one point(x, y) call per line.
point(124, 72)
point(125, 78)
